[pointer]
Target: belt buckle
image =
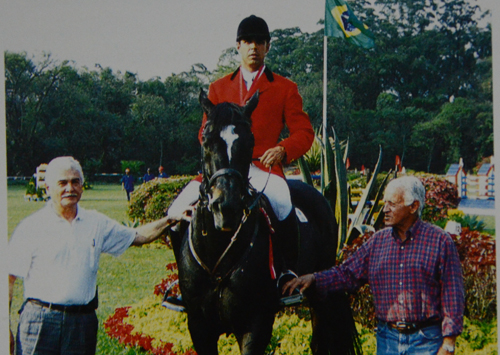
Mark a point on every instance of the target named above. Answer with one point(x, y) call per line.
point(402, 326)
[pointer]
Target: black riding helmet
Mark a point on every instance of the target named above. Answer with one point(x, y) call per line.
point(253, 27)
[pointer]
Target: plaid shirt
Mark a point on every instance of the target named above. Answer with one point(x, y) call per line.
point(411, 281)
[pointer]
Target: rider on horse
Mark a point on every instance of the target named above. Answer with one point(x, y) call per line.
point(280, 104)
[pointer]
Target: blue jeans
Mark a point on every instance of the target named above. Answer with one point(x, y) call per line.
point(45, 331)
point(426, 341)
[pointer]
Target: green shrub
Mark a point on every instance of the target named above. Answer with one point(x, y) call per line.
point(473, 223)
point(150, 201)
point(31, 187)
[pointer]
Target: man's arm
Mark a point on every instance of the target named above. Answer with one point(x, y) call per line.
point(301, 133)
point(452, 296)
point(152, 231)
point(12, 281)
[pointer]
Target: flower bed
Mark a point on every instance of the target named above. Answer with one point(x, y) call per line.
point(151, 327)
point(160, 331)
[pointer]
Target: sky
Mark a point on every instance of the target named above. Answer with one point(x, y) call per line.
point(149, 38)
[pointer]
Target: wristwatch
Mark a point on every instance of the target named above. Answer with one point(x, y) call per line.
point(449, 348)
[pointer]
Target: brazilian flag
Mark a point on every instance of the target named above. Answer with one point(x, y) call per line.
point(341, 22)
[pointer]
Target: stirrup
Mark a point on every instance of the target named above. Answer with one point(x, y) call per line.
point(296, 298)
point(171, 302)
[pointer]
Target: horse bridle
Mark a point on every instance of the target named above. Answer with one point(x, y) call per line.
point(225, 171)
point(246, 213)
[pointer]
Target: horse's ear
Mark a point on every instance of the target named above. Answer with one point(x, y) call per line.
point(206, 104)
point(251, 105)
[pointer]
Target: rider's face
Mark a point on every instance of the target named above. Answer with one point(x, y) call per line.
point(252, 53)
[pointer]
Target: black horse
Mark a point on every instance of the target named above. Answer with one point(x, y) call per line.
point(225, 274)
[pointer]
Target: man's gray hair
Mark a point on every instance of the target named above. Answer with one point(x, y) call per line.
point(412, 188)
point(59, 164)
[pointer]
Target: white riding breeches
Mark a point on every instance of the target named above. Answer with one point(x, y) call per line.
point(275, 189)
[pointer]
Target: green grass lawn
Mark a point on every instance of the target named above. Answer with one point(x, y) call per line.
point(122, 281)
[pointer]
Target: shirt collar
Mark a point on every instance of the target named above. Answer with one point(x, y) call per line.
point(411, 233)
point(80, 212)
point(250, 77)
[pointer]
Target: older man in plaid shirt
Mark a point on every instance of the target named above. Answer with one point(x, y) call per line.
point(414, 273)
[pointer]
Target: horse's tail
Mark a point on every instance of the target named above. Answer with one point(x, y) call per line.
point(334, 329)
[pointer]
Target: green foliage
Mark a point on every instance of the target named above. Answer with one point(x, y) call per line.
point(313, 157)
point(423, 93)
point(478, 336)
point(31, 187)
point(150, 201)
point(337, 191)
point(91, 167)
point(472, 223)
point(56, 109)
point(136, 167)
point(132, 224)
point(86, 185)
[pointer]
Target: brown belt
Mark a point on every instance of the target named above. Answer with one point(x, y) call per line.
point(412, 327)
point(86, 308)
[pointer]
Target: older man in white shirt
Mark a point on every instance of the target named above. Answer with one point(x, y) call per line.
point(56, 251)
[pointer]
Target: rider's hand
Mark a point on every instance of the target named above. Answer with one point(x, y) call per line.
point(302, 283)
point(273, 156)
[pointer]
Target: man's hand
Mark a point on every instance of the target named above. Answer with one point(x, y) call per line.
point(302, 283)
point(447, 342)
point(273, 156)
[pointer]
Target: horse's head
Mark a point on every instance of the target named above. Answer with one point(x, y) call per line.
point(227, 148)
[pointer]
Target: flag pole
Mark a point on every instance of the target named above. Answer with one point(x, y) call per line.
point(325, 86)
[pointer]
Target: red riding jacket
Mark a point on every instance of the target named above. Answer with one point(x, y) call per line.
point(279, 103)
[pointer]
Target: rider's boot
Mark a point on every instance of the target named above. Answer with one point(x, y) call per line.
point(287, 243)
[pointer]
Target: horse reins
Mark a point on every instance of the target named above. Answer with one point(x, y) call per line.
point(246, 214)
point(233, 239)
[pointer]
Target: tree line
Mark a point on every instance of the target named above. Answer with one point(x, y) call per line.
point(423, 93)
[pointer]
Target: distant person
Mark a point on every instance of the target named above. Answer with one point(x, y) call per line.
point(148, 176)
point(128, 183)
point(162, 174)
point(414, 273)
point(56, 252)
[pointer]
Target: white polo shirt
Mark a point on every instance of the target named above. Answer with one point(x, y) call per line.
point(58, 260)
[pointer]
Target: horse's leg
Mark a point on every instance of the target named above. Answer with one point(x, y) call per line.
point(255, 340)
point(333, 327)
point(203, 335)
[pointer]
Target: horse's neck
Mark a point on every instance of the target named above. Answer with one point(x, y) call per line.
point(211, 244)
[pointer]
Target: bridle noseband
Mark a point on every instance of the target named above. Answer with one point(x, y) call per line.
point(225, 171)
